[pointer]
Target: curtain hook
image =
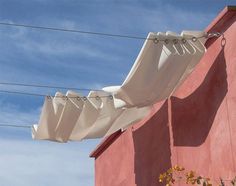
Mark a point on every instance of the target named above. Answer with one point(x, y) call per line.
point(155, 40)
point(194, 39)
point(48, 97)
point(184, 40)
point(175, 41)
point(65, 97)
point(84, 98)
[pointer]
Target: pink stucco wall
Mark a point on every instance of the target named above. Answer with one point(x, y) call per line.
point(195, 128)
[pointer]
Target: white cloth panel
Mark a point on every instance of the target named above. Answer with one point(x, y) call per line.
point(88, 116)
point(108, 113)
point(69, 116)
point(160, 68)
point(77, 119)
point(128, 117)
point(49, 117)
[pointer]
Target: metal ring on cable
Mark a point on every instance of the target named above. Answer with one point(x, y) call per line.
point(166, 41)
point(84, 98)
point(65, 97)
point(155, 40)
point(223, 41)
point(194, 39)
point(175, 41)
point(218, 34)
point(184, 40)
point(209, 35)
point(48, 97)
point(213, 34)
point(78, 98)
point(111, 97)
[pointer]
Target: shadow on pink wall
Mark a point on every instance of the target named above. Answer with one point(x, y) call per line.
point(193, 116)
point(152, 149)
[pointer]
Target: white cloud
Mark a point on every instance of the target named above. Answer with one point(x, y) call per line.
point(57, 51)
point(44, 163)
point(27, 162)
point(12, 114)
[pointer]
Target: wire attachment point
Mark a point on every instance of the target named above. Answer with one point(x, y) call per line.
point(155, 40)
point(111, 97)
point(48, 97)
point(166, 41)
point(175, 41)
point(184, 40)
point(194, 39)
point(213, 34)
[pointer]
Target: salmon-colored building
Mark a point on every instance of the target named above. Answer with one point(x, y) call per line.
point(195, 128)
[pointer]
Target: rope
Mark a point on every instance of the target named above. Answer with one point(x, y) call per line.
point(13, 125)
point(72, 30)
point(48, 96)
point(45, 86)
point(209, 35)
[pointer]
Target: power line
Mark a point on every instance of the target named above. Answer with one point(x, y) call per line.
point(209, 35)
point(72, 31)
point(45, 86)
point(49, 96)
point(22, 93)
point(14, 125)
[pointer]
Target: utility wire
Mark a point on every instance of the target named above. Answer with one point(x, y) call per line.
point(72, 30)
point(22, 93)
point(49, 96)
point(209, 35)
point(45, 86)
point(15, 126)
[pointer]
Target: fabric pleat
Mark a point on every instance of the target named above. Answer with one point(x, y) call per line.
point(162, 65)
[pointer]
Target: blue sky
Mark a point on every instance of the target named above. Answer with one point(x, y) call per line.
point(73, 60)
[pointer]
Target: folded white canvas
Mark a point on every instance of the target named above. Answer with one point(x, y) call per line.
point(50, 115)
point(128, 117)
point(69, 116)
point(88, 116)
point(108, 114)
point(164, 62)
point(160, 67)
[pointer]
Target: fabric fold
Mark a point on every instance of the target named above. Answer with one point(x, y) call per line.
point(88, 116)
point(163, 63)
point(108, 114)
point(69, 116)
point(129, 116)
point(50, 115)
point(160, 68)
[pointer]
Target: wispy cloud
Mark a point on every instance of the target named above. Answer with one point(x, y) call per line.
point(45, 163)
point(27, 162)
point(58, 53)
point(12, 114)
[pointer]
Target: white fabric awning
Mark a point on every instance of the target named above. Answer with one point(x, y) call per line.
point(159, 68)
point(164, 62)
